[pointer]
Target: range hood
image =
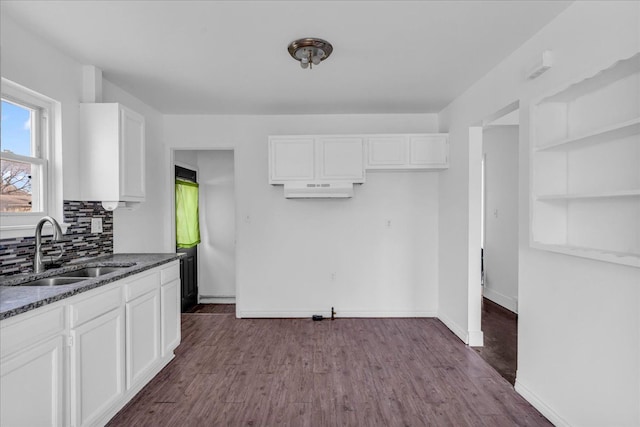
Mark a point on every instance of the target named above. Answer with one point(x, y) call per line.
point(318, 190)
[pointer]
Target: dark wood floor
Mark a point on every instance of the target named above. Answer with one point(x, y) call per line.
point(349, 372)
point(500, 327)
point(213, 309)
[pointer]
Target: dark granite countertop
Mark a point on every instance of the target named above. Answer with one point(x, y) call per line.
point(16, 299)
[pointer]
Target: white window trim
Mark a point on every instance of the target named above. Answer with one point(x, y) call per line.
point(24, 224)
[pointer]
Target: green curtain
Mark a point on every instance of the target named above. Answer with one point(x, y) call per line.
point(187, 224)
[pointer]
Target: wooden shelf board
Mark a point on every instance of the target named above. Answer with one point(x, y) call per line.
point(610, 132)
point(624, 258)
point(603, 195)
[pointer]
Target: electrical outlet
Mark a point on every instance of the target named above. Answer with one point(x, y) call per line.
point(96, 225)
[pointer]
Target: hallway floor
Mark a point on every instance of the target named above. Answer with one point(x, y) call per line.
point(213, 309)
point(348, 372)
point(500, 327)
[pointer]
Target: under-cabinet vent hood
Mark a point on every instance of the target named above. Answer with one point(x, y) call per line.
point(318, 190)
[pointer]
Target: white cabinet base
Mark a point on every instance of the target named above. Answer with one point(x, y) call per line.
point(97, 366)
point(143, 336)
point(35, 380)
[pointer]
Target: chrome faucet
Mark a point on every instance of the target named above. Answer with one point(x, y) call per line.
point(39, 261)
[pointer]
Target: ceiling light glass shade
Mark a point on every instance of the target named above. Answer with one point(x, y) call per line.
point(310, 51)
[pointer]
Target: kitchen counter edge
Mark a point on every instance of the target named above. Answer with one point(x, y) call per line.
point(16, 299)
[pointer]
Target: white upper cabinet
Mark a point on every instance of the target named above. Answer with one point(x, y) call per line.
point(291, 159)
point(428, 152)
point(347, 157)
point(112, 153)
point(340, 158)
point(387, 151)
point(312, 158)
point(408, 152)
point(132, 165)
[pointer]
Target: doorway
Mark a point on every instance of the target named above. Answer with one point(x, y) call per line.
point(216, 253)
point(189, 262)
point(497, 164)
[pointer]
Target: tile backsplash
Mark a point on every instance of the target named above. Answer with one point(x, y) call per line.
point(16, 254)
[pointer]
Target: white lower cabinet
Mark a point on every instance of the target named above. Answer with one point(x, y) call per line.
point(143, 336)
point(32, 360)
point(170, 312)
point(78, 361)
point(31, 386)
point(97, 366)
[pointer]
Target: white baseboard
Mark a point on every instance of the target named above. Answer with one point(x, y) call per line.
point(339, 314)
point(509, 303)
point(539, 404)
point(216, 300)
point(462, 333)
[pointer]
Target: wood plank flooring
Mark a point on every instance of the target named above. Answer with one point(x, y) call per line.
point(349, 372)
point(213, 309)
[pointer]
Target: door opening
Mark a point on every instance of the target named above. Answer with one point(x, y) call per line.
point(189, 262)
point(499, 159)
point(214, 264)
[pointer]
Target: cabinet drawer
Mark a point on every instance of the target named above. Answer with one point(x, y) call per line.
point(142, 285)
point(25, 329)
point(170, 273)
point(95, 306)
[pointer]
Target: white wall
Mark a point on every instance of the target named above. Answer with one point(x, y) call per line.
point(579, 327)
point(217, 249)
point(287, 250)
point(186, 158)
point(33, 63)
point(27, 60)
point(500, 150)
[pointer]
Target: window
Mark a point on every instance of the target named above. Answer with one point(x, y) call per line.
point(29, 186)
point(21, 163)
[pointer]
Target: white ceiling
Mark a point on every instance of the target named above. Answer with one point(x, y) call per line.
point(230, 57)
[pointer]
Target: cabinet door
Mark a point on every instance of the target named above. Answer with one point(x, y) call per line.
point(132, 149)
point(170, 314)
point(31, 386)
point(291, 159)
point(143, 336)
point(340, 158)
point(387, 152)
point(97, 366)
point(431, 151)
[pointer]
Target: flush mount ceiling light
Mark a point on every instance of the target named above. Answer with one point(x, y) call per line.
point(310, 51)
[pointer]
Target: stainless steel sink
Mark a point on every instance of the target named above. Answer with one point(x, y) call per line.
point(91, 272)
point(53, 281)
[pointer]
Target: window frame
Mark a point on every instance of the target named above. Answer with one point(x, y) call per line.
point(48, 156)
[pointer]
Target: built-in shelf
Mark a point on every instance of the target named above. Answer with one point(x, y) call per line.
point(623, 258)
point(602, 195)
point(606, 133)
point(585, 155)
point(618, 71)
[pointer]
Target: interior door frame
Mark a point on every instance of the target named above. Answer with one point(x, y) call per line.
point(171, 163)
point(474, 289)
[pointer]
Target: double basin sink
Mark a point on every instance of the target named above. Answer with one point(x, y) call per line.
point(73, 276)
